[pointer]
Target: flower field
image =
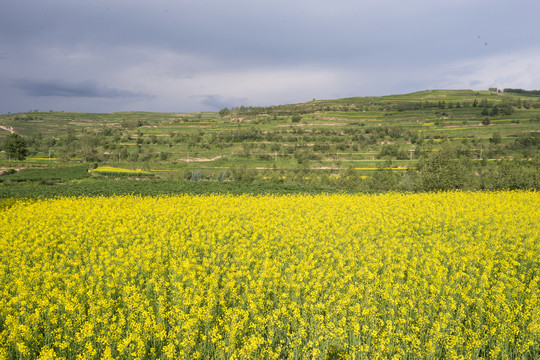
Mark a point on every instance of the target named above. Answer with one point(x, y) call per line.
point(400, 276)
point(111, 170)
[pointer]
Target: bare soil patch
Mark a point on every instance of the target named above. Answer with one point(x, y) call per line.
point(197, 159)
point(7, 128)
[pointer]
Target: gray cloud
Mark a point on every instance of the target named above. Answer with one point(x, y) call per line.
point(241, 31)
point(216, 102)
point(86, 89)
point(190, 54)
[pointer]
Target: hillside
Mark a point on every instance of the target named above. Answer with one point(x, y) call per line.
point(368, 140)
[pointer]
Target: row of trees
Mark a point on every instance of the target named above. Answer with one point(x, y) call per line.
point(440, 172)
point(91, 145)
point(365, 105)
point(297, 143)
point(522, 91)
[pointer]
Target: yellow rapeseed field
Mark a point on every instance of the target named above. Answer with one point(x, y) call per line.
point(112, 169)
point(393, 276)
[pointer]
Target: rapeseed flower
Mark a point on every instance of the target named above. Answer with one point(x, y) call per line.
point(446, 275)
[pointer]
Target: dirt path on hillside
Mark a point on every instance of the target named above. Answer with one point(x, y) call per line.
point(7, 128)
point(196, 159)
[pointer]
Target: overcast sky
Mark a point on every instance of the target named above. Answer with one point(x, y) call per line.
point(201, 55)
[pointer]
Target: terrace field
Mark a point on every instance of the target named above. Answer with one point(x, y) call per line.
point(365, 143)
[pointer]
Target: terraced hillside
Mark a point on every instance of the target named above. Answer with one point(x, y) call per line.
point(319, 141)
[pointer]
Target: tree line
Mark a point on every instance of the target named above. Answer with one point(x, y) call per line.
point(522, 91)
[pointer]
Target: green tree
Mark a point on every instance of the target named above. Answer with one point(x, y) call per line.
point(348, 178)
point(88, 148)
point(443, 171)
point(496, 138)
point(16, 147)
point(65, 153)
point(296, 118)
point(513, 175)
point(383, 179)
point(224, 112)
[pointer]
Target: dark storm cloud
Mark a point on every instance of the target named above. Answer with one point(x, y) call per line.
point(205, 54)
point(240, 31)
point(57, 88)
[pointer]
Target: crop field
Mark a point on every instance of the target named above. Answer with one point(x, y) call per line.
point(424, 141)
point(325, 133)
point(120, 171)
point(451, 275)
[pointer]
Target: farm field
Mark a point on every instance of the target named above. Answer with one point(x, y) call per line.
point(451, 275)
point(490, 138)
